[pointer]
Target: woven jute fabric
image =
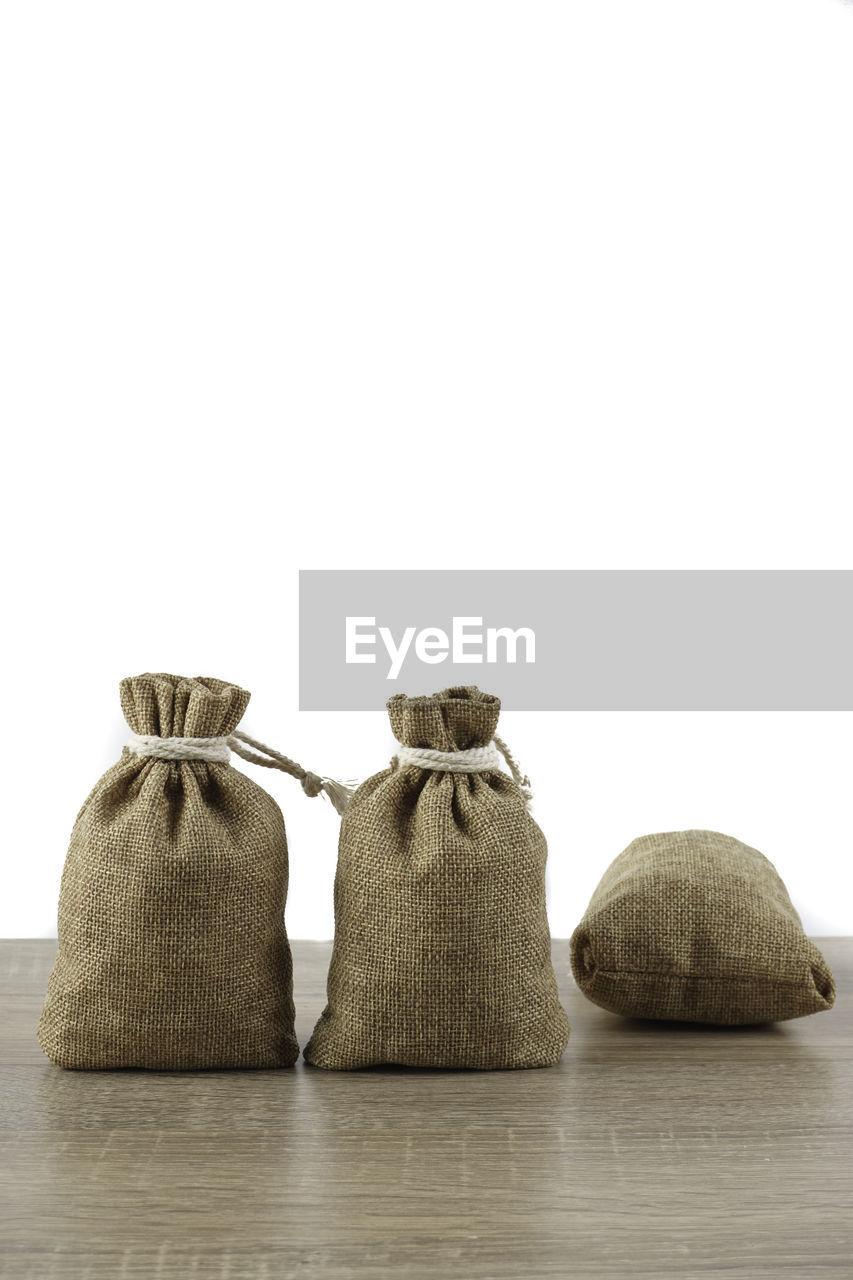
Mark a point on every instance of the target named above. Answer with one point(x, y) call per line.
point(693, 926)
point(172, 947)
point(442, 955)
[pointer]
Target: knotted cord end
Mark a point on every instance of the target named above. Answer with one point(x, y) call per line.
point(312, 785)
point(340, 793)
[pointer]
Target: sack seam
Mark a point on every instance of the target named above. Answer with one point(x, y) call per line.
point(694, 977)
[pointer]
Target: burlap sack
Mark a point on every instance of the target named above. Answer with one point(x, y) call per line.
point(442, 952)
point(172, 947)
point(694, 926)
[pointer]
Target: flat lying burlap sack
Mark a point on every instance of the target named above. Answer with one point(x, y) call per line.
point(442, 951)
point(694, 926)
point(172, 947)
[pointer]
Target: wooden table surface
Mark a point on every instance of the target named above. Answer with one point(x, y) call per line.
point(653, 1150)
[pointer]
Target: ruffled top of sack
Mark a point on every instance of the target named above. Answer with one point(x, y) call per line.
point(453, 720)
point(182, 706)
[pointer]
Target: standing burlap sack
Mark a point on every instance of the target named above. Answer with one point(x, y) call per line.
point(442, 952)
point(172, 947)
point(694, 926)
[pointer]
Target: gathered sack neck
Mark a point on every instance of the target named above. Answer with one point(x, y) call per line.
point(453, 731)
point(184, 718)
point(474, 760)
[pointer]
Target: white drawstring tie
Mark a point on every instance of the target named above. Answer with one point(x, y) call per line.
point(218, 751)
point(474, 760)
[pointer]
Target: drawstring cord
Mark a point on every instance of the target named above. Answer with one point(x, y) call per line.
point(218, 751)
point(473, 760)
point(340, 793)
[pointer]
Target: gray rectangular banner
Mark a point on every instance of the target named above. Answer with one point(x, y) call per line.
point(580, 640)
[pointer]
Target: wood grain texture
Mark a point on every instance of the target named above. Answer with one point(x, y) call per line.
point(652, 1150)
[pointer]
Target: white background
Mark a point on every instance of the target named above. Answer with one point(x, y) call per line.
point(336, 285)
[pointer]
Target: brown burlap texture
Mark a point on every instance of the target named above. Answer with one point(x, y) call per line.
point(442, 952)
point(694, 926)
point(172, 947)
